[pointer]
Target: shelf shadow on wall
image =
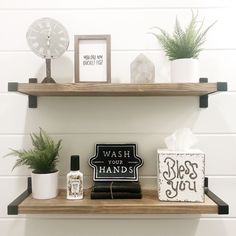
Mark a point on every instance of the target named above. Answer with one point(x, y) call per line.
point(112, 225)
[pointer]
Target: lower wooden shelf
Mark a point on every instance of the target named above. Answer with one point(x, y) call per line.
point(149, 204)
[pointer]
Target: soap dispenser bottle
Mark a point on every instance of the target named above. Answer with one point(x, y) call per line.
point(75, 179)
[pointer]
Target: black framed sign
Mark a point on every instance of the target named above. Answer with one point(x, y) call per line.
point(115, 162)
point(92, 58)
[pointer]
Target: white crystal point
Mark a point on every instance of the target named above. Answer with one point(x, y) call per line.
point(142, 70)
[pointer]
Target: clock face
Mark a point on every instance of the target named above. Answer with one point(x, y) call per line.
point(47, 38)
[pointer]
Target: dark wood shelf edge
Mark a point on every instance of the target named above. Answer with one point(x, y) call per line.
point(221, 86)
point(12, 209)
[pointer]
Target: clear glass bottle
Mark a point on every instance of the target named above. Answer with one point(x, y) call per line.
point(75, 179)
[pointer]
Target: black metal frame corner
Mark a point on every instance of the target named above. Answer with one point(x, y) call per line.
point(12, 208)
point(12, 86)
point(203, 100)
point(222, 86)
point(223, 207)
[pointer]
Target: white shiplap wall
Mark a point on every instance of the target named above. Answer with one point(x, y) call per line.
point(82, 122)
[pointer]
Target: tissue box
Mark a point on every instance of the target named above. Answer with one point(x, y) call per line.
point(181, 175)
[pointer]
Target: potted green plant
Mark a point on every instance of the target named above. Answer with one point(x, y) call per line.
point(183, 48)
point(42, 159)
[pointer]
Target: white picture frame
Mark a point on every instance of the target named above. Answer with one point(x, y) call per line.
point(92, 58)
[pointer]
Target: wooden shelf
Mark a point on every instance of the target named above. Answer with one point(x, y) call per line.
point(149, 204)
point(34, 89)
point(106, 89)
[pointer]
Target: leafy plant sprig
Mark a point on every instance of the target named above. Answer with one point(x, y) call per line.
point(42, 158)
point(183, 43)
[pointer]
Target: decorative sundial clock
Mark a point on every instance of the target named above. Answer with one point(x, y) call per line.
point(48, 39)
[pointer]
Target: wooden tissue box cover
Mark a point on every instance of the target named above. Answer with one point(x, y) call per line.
point(181, 175)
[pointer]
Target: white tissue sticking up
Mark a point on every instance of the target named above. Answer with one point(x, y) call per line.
point(181, 140)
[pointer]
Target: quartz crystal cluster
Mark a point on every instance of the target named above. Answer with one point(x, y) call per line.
point(142, 70)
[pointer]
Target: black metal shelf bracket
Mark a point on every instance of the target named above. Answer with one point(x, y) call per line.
point(223, 208)
point(12, 208)
point(12, 86)
point(203, 100)
point(32, 100)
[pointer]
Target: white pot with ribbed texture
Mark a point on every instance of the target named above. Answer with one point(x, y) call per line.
point(44, 186)
point(184, 70)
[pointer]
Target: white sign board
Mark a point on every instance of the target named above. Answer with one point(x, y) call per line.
point(92, 60)
point(181, 175)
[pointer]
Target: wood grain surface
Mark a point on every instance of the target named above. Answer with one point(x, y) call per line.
point(110, 89)
point(149, 204)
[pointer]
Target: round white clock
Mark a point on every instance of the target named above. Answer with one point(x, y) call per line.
point(47, 38)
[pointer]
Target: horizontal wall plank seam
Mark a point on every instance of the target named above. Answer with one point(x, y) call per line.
point(232, 134)
point(119, 50)
point(117, 8)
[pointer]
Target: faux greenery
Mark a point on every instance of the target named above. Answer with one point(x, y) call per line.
point(183, 43)
point(42, 158)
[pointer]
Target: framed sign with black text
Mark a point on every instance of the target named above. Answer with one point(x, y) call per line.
point(116, 162)
point(93, 58)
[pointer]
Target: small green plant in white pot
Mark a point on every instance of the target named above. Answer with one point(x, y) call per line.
point(183, 48)
point(42, 159)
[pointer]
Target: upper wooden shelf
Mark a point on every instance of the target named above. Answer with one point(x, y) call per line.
point(109, 89)
point(34, 89)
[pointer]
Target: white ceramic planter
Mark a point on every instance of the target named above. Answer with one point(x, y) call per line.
point(44, 186)
point(184, 70)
